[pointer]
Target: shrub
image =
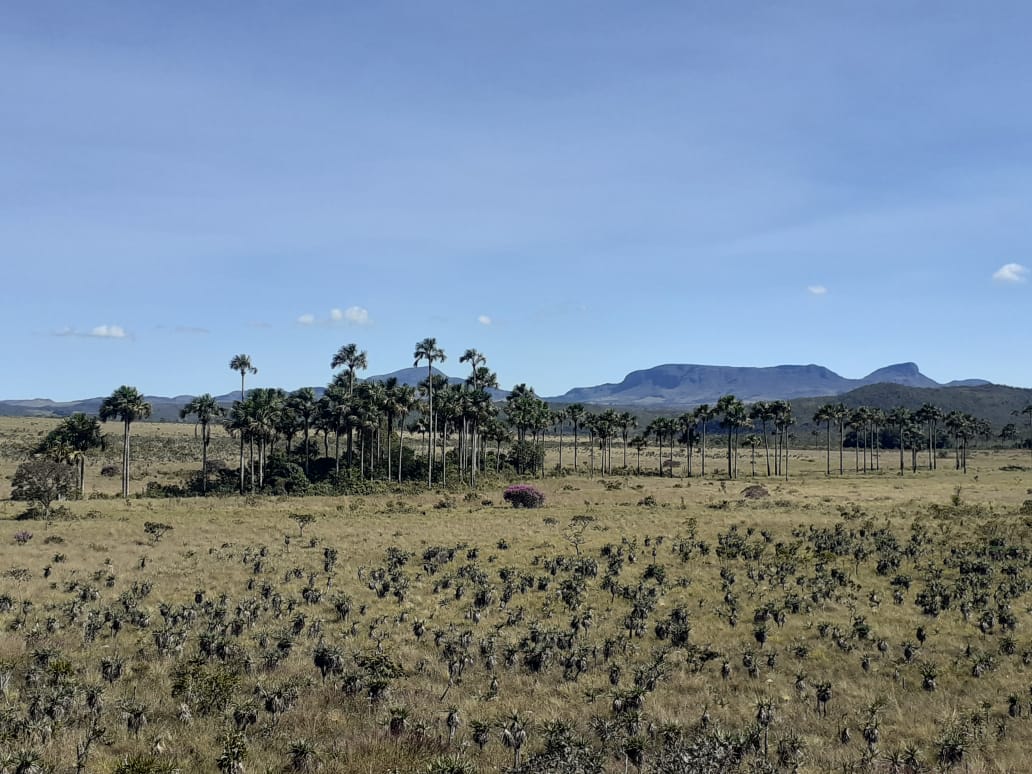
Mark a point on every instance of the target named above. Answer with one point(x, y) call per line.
point(42, 482)
point(524, 496)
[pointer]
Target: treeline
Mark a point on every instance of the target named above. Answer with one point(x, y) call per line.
point(294, 442)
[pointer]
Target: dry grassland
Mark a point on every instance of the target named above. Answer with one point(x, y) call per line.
point(248, 603)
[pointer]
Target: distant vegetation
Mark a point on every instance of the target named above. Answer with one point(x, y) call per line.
point(473, 585)
point(359, 432)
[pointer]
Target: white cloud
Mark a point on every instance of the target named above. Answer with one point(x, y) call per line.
point(356, 315)
point(1011, 272)
point(306, 319)
point(108, 332)
point(484, 320)
point(336, 315)
point(816, 290)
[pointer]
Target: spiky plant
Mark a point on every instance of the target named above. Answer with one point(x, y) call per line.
point(514, 736)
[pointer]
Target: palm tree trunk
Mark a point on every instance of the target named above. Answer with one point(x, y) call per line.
point(125, 461)
point(241, 435)
point(430, 419)
point(204, 460)
point(401, 445)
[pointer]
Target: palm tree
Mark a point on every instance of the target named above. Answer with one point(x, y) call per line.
point(428, 350)
point(704, 414)
point(575, 412)
point(840, 414)
point(242, 364)
point(477, 363)
point(401, 399)
point(900, 417)
point(825, 414)
point(657, 429)
point(781, 414)
point(687, 422)
point(72, 439)
point(638, 443)
point(305, 405)
point(352, 359)
point(930, 416)
point(127, 404)
point(559, 422)
point(761, 412)
point(752, 441)
point(627, 422)
point(206, 409)
point(734, 419)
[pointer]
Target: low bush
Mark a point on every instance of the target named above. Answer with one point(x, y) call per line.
point(524, 496)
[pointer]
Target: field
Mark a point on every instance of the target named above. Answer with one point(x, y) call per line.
point(868, 622)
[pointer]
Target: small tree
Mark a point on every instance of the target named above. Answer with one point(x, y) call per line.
point(303, 520)
point(156, 530)
point(42, 482)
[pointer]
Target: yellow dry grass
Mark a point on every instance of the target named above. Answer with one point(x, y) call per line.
point(214, 543)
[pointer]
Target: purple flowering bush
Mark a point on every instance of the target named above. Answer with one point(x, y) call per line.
point(524, 496)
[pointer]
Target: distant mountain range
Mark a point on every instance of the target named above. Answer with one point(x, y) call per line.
point(660, 388)
point(677, 386)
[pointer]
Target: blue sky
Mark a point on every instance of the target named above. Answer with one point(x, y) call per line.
point(577, 189)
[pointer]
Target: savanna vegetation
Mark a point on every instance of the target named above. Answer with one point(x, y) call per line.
point(768, 603)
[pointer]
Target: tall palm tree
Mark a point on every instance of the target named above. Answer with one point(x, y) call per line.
point(207, 410)
point(900, 417)
point(704, 413)
point(73, 438)
point(761, 412)
point(734, 418)
point(428, 350)
point(657, 429)
point(930, 415)
point(839, 413)
point(242, 364)
point(826, 414)
point(781, 414)
point(575, 413)
point(687, 423)
point(402, 399)
point(353, 360)
point(305, 405)
point(752, 441)
point(638, 443)
point(127, 404)
point(559, 422)
point(477, 363)
point(627, 422)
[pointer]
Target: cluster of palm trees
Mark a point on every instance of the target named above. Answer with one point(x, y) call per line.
point(366, 415)
point(920, 430)
point(458, 423)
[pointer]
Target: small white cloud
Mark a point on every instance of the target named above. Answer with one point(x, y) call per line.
point(336, 315)
point(356, 315)
point(1011, 272)
point(306, 319)
point(108, 332)
point(484, 319)
point(816, 290)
